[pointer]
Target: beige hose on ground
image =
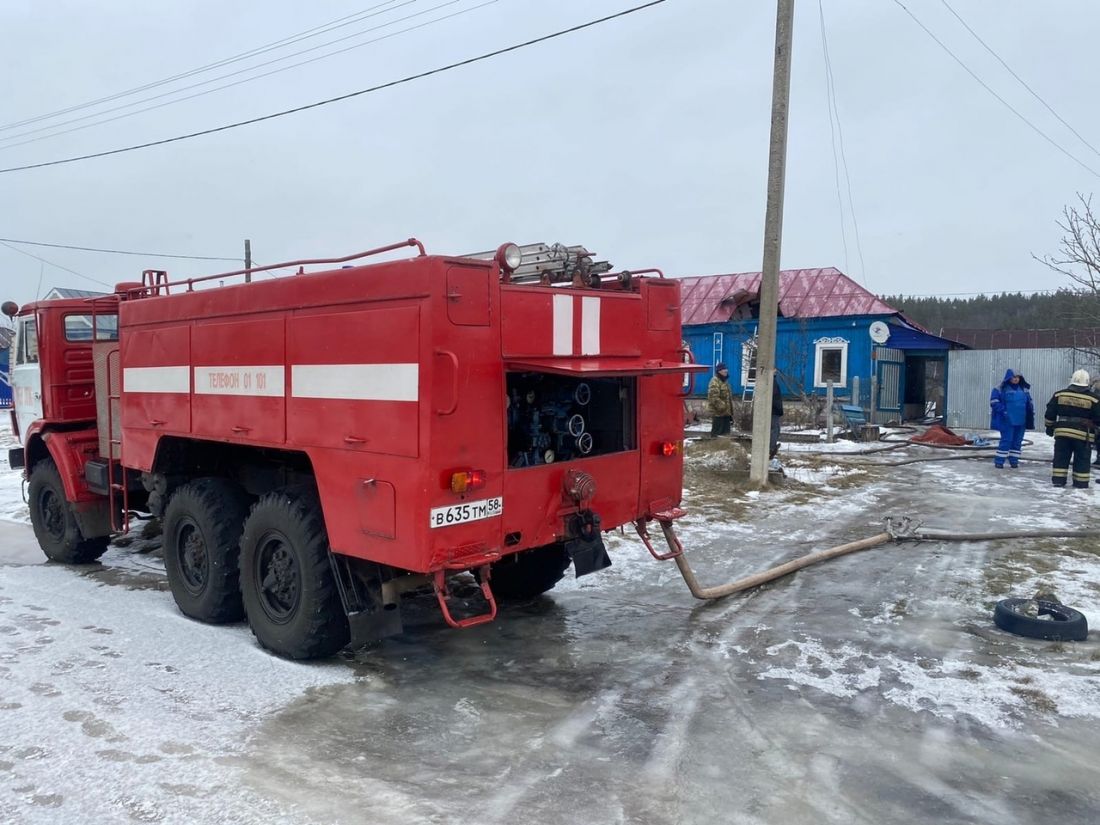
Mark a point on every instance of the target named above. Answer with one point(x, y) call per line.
point(891, 535)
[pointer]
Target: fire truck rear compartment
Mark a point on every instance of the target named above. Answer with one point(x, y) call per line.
point(556, 418)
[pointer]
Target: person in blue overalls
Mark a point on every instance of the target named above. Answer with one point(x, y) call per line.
point(1013, 414)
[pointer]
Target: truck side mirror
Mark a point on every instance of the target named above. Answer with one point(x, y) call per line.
point(10, 308)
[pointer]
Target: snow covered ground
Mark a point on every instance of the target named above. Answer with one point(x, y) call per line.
point(871, 689)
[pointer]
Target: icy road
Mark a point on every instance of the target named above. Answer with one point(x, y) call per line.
point(873, 689)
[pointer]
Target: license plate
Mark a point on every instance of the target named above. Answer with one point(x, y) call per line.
point(467, 511)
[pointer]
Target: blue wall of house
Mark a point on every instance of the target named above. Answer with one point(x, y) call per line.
point(795, 349)
point(5, 385)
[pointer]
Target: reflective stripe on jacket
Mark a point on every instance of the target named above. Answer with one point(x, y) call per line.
point(1073, 413)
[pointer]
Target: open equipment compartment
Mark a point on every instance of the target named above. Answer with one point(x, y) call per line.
point(555, 418)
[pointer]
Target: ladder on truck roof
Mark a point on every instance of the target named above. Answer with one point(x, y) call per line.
point(551, 263)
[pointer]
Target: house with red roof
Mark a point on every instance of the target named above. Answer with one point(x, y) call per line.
point(830, 330)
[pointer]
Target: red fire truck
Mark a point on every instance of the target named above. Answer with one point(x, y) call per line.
point(317, 445)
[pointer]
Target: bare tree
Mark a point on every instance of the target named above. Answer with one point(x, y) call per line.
point(1078, 260)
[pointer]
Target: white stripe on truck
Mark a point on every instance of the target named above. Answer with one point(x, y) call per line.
point(563, 325)
point(251, 381)
point(157, 379)
point(590, 326)
point(357, 382)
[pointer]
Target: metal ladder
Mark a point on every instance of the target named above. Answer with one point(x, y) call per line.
point(113, 486)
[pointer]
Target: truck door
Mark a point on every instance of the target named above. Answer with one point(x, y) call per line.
point(26, 377)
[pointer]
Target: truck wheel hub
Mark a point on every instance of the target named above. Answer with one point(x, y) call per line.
point(193, 558)
point(53, 514)
point(278, 575)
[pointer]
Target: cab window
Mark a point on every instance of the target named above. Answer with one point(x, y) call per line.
point(79, 327)
point(27, 352)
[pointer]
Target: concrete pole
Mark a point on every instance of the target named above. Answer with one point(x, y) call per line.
point(773, 238)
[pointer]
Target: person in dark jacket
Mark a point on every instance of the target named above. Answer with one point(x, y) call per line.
point(720, 401)
point(1012, 413)
point(777, 418)
point(1094, 388)
point(1072, 416)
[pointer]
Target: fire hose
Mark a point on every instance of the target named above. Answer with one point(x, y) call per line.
point(896, 531)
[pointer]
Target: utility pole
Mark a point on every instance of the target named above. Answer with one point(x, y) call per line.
point(773, 237)
point(247, 261)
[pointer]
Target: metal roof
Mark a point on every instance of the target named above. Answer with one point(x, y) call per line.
point(65, 292)
point(904, 337)
point(803, 293)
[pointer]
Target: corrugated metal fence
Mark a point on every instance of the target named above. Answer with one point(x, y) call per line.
point(971, 374)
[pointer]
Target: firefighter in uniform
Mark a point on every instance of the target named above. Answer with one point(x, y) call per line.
point(1072, 416)
point(720, 401)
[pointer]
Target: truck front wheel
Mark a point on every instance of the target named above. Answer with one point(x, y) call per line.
point(202, 533)
point(54, 524)
point(289, 590)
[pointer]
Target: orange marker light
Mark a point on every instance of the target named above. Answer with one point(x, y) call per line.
point(466, 480)
point(670, 448)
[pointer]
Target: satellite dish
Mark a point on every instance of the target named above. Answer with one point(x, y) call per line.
point(880, 332)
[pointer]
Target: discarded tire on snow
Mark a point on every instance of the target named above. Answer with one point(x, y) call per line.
point(1062, 624)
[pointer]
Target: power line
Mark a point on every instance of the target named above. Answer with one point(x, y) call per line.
point(117, 251)
point(379, 87)
point(57, 266)
point(989, 89)
point(840, 140)
point(832, 137)
point(267, 47)
point(238, 72)
point(1021, 81)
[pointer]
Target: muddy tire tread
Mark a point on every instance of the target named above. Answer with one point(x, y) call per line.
point(219, 507)
point(73, 548)
point(322, 630)
point(530, 574)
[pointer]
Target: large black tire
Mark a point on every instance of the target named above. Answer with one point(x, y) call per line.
point(289, 590)
point(523, 576)
point(202, 534)
point(54, 524)
point(1064, 625)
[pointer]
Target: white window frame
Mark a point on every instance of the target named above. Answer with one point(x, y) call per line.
point(821, 345)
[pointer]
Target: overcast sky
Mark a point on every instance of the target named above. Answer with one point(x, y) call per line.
point(644, 138)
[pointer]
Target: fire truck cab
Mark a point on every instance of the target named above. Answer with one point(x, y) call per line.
point(317, 445)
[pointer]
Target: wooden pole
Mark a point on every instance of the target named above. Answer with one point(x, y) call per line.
point(247, 261)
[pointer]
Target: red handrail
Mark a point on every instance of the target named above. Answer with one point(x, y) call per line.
point(190, 282)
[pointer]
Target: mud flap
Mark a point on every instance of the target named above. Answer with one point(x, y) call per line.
point(585, 544)
point(368, 619)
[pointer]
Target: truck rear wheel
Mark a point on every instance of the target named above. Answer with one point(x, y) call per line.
point(527, 574)
point(289, 590)
point(54, 524)
point(202, 533)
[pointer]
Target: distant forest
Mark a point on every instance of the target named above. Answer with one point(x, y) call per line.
point(1061, 310)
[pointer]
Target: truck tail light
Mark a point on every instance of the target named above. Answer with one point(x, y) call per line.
point(465, 480)
point(670, 448)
